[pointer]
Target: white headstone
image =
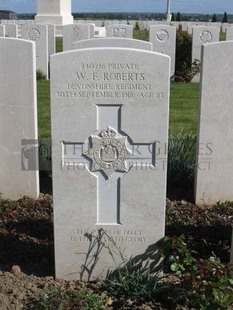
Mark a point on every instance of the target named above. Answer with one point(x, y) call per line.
point(2, 31)
point(55, 12)
point(225, 26)
point(11, 30)
point(19, 173)
point(113, 42)
point(51, 40)
point(118, 30)
point(214, 178)
point(38, 34)
point(202, 35)
point(109, 111)
point(163, 38)
point(73, 33)
point(229, 33)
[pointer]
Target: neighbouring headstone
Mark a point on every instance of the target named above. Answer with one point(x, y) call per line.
point(163, 38)
point(55, 12)
point(38, 34)
point(11, 31)
point(73, 33)
point(19, 175)
point(119, 30)
point(51, 40)
point(2, 31)
point(214, 178)
point(229, 33)
point(113, 42)
point(109, 110)
point(202, 35)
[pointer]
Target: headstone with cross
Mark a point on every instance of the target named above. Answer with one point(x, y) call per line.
point(109, 111)
point(120, 31)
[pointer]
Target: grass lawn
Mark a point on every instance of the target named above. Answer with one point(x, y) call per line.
point(183, 108)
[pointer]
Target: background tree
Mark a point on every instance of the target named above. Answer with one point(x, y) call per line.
point(214, 19)
point(225, 18)
point(178, 17)
point(173, 17)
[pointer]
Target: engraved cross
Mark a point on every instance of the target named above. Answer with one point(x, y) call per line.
point(109, 154)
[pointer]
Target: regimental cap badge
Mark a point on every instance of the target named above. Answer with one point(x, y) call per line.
point(108, 152)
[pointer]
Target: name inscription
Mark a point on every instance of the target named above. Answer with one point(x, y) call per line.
point(111, 80)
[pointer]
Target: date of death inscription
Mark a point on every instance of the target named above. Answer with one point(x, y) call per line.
point(118, 81)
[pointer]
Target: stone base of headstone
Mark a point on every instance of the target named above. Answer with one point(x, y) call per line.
point(54, 20)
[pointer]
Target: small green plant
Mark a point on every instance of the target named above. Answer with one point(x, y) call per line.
point(57, 299)
point(185, 70)
point(181, 156)
point(40, 75)
point(208, 283)
point(137, 25)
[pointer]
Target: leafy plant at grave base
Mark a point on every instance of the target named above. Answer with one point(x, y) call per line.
point(139, 281)
point(185, 70)
point(208, 283)
point(56, 299)
point(40, 75)
point(181, 157)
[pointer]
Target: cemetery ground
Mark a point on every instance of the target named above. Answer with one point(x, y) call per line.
point(196, 249)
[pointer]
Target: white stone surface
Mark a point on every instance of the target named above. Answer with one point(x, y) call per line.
point(51, 40)
point(73, 33)
point(11, 31)
point(113, 42)
point(119, 30)
point(39, 35)
point(229, 33)
point(55, 12)
point(214, 178)
point(18, 119)
point(108, 184)
point(2, 31)
point(100, 32)
point(163, 38)
point(202, 35)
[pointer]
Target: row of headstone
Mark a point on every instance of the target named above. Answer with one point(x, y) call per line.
point(106, 171)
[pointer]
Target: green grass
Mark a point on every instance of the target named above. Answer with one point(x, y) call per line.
point(43, 99)
point(141, 35)
point(59, 44)
point(183, 108)
point(222, 36)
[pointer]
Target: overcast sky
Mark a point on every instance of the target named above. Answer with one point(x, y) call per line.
point(183, 6)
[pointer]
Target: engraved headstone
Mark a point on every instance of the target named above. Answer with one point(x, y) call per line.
point(119, 30)
point(113, 42)
point(39, 35)
point(163, 38)
point(214, 178)
point(73, 33)
point(11, 31)
point(19, 174)
point(51, 40)
point(55, 12)
point(109, 111)
point(202, 35)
